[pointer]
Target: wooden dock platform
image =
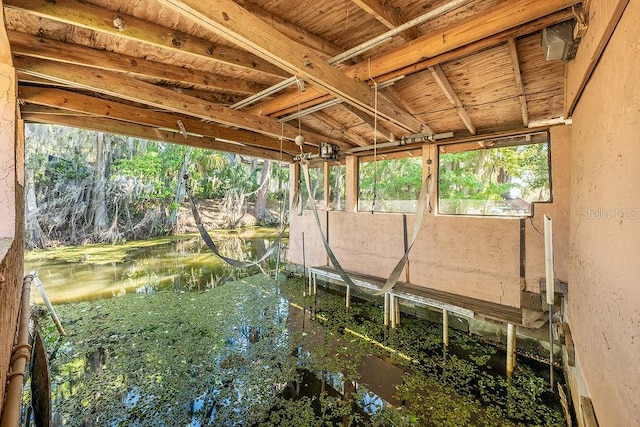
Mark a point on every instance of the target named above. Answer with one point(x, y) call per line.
point(461, 305)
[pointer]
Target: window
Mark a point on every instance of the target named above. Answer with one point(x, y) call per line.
point(395, 181)
point(316, 175)
point(503, 180)
point(337, 187)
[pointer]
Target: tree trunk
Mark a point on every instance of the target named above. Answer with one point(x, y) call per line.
point(35, 237)
point(176, 201)
point(261, 197)
point(100, 221)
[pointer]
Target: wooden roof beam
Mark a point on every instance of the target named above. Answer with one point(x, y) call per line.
point(291, 98)
point(444, 84)
point(54, 50)
point(68, 101)
point(85, 15)
point(321, 46)
point(5, 48)
point(389, 17)
point(335, 125)
point(124, 87)
point(227, 19)
point(382, 131)
point(501, 17)
point(513, 52)
point(102, 124)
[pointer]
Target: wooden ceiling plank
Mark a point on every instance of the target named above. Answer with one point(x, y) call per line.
point(444, 84)
point(146, 132)
point(85, 15)
point(39, 47)
point(124, 87)
point(227, 19)
point(321, 46)
point(382, 132)
point(515, 61)
point(480, 45)
point(78, 103)
point(335, 125)
point(501, 17)
point(290, 98)
point(393, 95)
point(389, 17)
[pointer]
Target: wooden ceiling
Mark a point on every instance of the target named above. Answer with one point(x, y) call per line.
point(179, 70)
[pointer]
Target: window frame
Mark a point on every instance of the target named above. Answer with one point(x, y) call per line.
point(502, 142)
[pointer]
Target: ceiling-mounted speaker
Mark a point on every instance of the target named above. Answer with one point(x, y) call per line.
point(558, 42)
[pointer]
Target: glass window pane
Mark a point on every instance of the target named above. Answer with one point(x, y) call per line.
point(337, 187)
point(496, 181)
point(395, 182)
point(317, 188)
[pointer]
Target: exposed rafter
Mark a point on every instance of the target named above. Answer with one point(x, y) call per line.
point(229, 20)
point(336, 126)
point(503, 16)
point(371, 121)
point(124, 87)
point(490, 39)
point(318, 44)
point(86, 15)
point(444, 84)
point(138, 131)
point(5, 48)
point(39, 47)
point(391, 93)
point(389, 17)
point(513, 52)
point(77, 103)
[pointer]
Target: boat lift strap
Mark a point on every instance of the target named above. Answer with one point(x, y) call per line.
point(423, 202)
point(207, 238)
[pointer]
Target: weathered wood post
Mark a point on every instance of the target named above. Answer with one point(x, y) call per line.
point(445, 328)
point(511, 349)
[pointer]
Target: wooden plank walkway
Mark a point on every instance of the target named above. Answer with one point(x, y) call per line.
point(462, 305)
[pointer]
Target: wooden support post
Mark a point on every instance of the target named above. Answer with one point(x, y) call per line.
point(397, 311)
point(392, 310)
point(511, 349)
point(386, 309)
point(348, 298)
point(445, 328)
point(315, 284)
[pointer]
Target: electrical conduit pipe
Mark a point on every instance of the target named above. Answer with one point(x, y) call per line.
point(19, 358)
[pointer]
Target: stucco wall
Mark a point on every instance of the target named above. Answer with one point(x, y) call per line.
point(604, 292)
point(477, 257)
point(558, 211)
point(11, 207)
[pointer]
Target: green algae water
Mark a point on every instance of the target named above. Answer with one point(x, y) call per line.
point(251, 351)
point(181, 263)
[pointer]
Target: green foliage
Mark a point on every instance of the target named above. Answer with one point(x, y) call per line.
point(491, 176)
point(389, 181)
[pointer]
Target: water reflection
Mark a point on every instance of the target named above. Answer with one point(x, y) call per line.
point(181, 265)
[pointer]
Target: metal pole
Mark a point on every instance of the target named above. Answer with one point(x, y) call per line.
point(348, 298)
point(45, 298)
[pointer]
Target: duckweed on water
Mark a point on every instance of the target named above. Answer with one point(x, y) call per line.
point(240, 354)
